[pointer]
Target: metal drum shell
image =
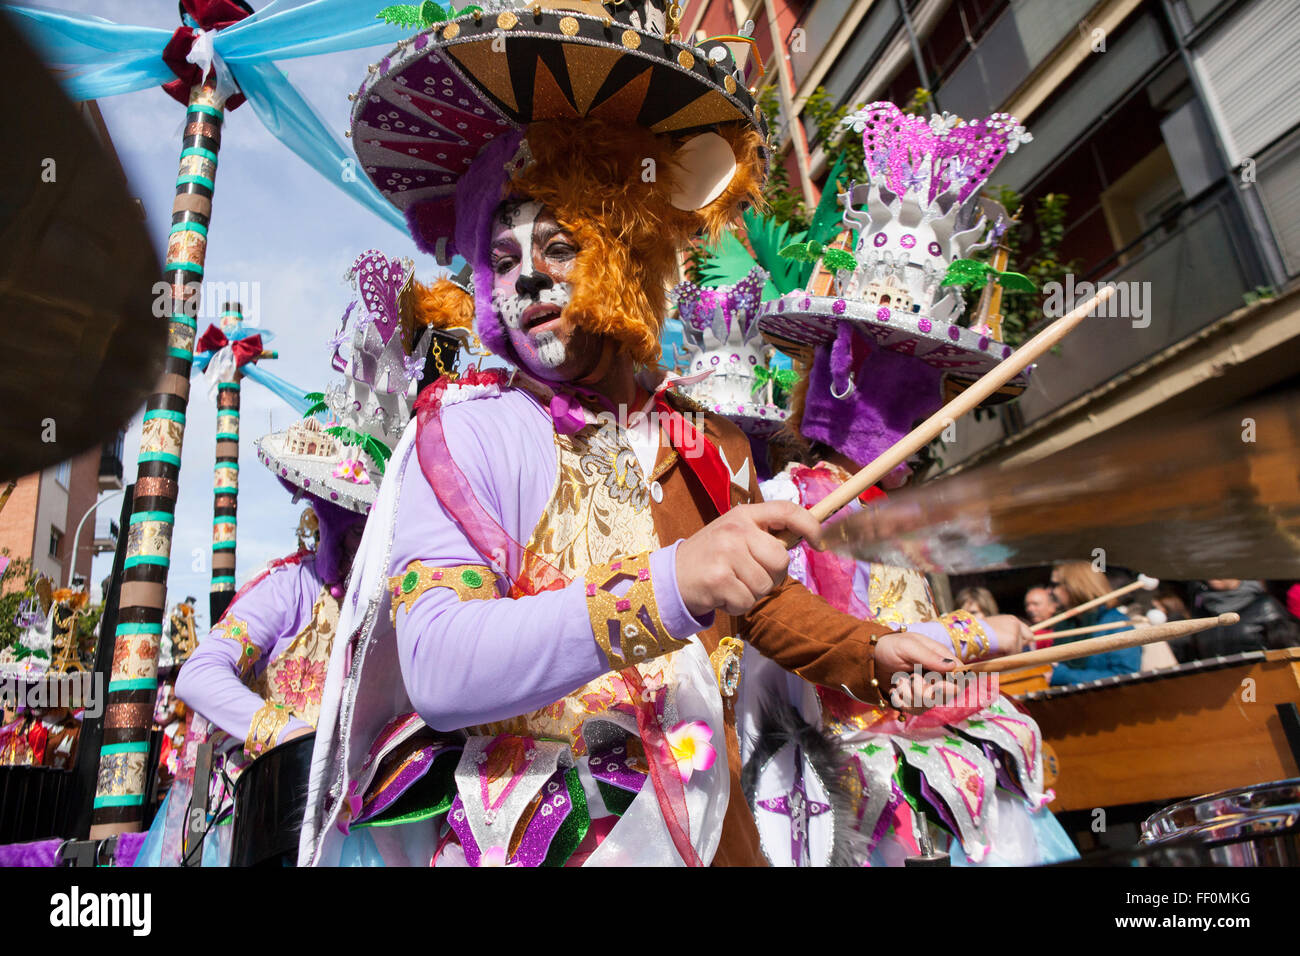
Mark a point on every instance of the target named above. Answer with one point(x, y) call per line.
point(1247, 826)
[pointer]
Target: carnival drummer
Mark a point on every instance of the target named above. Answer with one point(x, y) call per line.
point(562, 598)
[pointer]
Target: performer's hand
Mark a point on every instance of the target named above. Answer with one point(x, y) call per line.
point(736, 559)
point(1013, 634)
point(300, 732)
point(904, 650)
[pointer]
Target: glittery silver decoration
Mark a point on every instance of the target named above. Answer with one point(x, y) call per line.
point(493, 825)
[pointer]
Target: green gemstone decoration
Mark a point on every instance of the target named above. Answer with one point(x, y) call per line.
point(409, 581)
point(918, 748)
point(471, 578)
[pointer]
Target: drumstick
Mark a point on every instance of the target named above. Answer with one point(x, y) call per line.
point(930, 429)
point(1143, 582)
point(1090, 629)
point(1100, 645)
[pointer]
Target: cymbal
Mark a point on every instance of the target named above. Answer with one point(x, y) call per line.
point(80, 346)
point(1217, 497)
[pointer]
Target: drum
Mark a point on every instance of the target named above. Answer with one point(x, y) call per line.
point(1181, 852)
point(1249, 826)
point(270, 800)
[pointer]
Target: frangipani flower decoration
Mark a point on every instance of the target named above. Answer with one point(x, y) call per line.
point(691, 747)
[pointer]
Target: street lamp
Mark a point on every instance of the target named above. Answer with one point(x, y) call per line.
point(72, 561)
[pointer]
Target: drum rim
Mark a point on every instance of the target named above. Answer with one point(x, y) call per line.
point(1234, 826)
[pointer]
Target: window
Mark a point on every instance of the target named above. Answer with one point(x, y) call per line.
point(63, 473)
point(56, 541)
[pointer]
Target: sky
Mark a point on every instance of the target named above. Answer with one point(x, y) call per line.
point(277, 225)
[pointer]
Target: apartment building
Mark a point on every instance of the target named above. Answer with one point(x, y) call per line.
point(1173, 126)
point(40, 520)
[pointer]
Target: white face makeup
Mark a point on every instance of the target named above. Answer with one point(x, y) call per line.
point(531, 261)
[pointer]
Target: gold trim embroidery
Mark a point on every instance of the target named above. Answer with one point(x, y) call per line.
point(234, 629)
point(471, 582)
point(967, 635)
point(632, 621)
point(296, 678)
point(264, 731)
point(726, 664)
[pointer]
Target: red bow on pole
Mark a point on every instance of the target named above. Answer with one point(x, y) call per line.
point(209, 15)
point(246, 349)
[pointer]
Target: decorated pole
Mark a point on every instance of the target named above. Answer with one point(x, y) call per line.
point(133, 681)
point(225, 479)
point(225, 353)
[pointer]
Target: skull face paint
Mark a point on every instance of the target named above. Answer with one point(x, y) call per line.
point(532, 257)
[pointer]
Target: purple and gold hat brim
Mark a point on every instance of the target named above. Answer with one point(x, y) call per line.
point(428, 108)
point(796, 324)
point(316, 477)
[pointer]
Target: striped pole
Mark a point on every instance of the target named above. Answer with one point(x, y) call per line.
point(225, 480)
point(133, 681)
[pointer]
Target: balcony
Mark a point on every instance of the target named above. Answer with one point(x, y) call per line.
point(1184, 280)
point(110, 463)
point(1182, 283)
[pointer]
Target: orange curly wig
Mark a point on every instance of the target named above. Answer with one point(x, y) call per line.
point(610, 187)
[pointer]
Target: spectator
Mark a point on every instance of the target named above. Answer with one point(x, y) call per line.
point(1040, 604)
point(1264, 623)
point(1075, 583)
point(977, 601)
point(1170, 603)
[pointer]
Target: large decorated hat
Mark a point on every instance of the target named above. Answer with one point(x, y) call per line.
point(343, 461)
point(720, 329)
point(917, 214)
point(430, 107)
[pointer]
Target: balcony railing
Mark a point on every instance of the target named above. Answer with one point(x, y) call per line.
point(1180, 285)
point(110, 464)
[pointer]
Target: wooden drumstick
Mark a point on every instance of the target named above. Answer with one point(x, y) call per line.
point(1143, 582)
point(1090, 629)
point(1100, 645)
point(932, 427)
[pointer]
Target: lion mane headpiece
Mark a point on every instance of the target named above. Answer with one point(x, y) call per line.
point(630, 199)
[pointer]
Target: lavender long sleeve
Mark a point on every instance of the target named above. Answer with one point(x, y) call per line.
point(275, 610)
point(935, 630)
point(472, 662)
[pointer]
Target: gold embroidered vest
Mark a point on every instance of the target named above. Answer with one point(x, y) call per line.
point(599, 509)
point(296, 679)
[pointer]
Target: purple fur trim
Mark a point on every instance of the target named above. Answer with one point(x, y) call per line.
point(430, 221)
point(334, 522)
point(893, 392)
point(842, 358)
point(40, 853)
point(478, 194)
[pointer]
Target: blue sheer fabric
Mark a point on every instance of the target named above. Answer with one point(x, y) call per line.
point(289, 393)
point(101, 58)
